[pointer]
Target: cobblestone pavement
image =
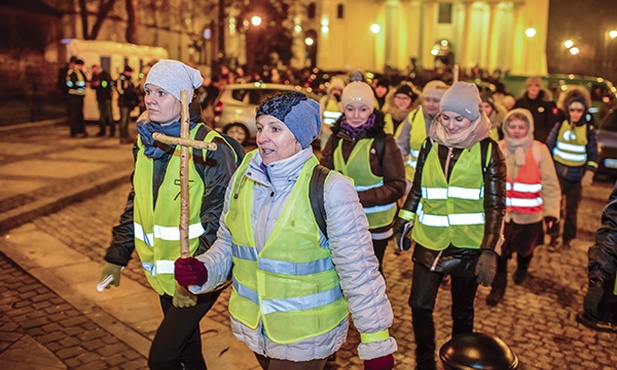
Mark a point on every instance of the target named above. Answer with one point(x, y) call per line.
point(536, 319)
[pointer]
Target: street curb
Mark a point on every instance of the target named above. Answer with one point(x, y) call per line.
point(48, 122)
point(21, 215)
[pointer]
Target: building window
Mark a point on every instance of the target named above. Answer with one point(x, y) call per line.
point(340, 11)
point(445, 13)
point(311, 11)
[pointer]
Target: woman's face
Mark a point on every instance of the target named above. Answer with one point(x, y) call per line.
point(487, 108)
point(274, 140)
point(357, 114)
point(453, 122)
point(402, 101)
point(576, 113)
point(533, 89)
point(163, 108)
point(517, 128)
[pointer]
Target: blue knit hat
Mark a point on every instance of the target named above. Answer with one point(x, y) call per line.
point(299, 113)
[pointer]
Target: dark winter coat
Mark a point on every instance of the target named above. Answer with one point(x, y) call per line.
point(543, 110)
point(603, 254)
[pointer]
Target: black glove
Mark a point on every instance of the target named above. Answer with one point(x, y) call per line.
point(592, 299)
point(550, 222)
point(402, 234)
point(486, 267)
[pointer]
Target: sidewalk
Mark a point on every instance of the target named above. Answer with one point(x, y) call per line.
point(52, 315)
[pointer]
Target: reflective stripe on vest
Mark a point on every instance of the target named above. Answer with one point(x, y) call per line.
point(358, 167)
point(291, 285)
point(571, 146)
point(331, 112)
point(524, 193)
point(79, 87)
point(417, 135)
point(451, 213)
point(157, 231)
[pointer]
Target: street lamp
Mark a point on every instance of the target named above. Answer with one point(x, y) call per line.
point(530, 33)
point(574, 50)
point(568, 44)
point(256, 20)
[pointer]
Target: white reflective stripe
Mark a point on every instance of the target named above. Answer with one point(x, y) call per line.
point(452, 192)
point(368, 187)
point(571, 147)
point(465, 193)
point(411, 163)
point(173, 232)
point(414, 153)
point(524, 202)
point(434, 193)
point(164, 267)
point(453, 219)
point(376, 209)
point(582, 158)
point(141, 235)
point(466, 218)
point(330, 117)
point(524, 188)
point(306, 302)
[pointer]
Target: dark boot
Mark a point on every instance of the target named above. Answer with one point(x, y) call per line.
point(494, 297)
point(498, 286)
point(521, 269)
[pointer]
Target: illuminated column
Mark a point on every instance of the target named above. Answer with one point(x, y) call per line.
point(413, 23)
point(520, 54)
point(323, 45)
point(467, 43)
point(491, 51)
point(391, 34)
point(428, 26)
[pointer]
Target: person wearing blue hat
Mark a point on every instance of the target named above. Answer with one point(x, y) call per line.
point(295, 275)
point(151, 218)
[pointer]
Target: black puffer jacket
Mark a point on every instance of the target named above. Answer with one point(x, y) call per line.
point(461, 261)
point(603, 254)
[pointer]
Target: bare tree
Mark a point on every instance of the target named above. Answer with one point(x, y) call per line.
point(132, 35)
point(105, 6)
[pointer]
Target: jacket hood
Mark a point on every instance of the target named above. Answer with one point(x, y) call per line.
point(523, 111)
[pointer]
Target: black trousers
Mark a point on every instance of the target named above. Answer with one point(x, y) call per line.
point(379, 247)
point(177, 343)
point(573, 195)
point(106, 118)
point(76, 114)
point(424, 288)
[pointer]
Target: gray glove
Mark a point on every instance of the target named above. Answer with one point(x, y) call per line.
point(113, 270)
point(183, 298)
point(486, 267)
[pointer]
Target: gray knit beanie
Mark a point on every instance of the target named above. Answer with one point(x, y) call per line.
point(299, 113)
point(462, 98)
point(174, 76)
point(434, 89)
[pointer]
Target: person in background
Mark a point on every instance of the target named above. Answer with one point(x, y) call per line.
point(330, 108)
point(102, 83)
point(533, 196)
point(150, 221)
point(574, 147)
point(127, 100)
point(413, 131)
point(539, 102)
point(76, 89)
point(401, 103)
point(381, 89)
point(360, 149)
point(600, 302)
point(455, 211)
point(293, 287)
point(494, 112)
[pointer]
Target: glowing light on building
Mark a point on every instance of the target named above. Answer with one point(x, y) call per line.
point(530, 32)
point(375, 28)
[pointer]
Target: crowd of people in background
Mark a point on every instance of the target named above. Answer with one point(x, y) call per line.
point(468, 176)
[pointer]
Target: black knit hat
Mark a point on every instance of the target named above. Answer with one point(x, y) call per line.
point(406, 90)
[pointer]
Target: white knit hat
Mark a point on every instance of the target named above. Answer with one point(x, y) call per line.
point(358, 92)
point(174, 76)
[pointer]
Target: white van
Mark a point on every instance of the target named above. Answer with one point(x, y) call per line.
point(113, 57)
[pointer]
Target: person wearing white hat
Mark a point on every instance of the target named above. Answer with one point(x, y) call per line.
point(149, 224)
point(454, 213)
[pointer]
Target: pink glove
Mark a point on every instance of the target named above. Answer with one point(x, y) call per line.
point(380, 363)
point(190, 271)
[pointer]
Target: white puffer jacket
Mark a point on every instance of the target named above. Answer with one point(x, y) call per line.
point(352, 255)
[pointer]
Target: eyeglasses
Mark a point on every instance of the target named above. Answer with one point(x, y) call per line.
point(576, 110)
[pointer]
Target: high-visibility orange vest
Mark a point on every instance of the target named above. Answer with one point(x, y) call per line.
point(524, 194)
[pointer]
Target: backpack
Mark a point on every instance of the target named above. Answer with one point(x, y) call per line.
point(316, 188)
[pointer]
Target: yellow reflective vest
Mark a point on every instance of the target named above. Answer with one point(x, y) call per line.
point(571, 146)
point(417, 135)
point(358, 167)
point(291, 285)
point(157, 230)
point(451, 212)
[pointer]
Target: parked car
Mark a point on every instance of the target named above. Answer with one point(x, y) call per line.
point(234, 109)
point(607, 144)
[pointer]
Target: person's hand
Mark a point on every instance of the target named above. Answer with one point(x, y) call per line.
point(380, 363)
point(183, 298)
point(113, 270)
point(402, 233)
point(190, 271)
point(486, 267)
point(550, 222)
point(587, 179)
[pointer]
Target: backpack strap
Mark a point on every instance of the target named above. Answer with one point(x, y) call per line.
point(316, 189)
point(200, 160)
